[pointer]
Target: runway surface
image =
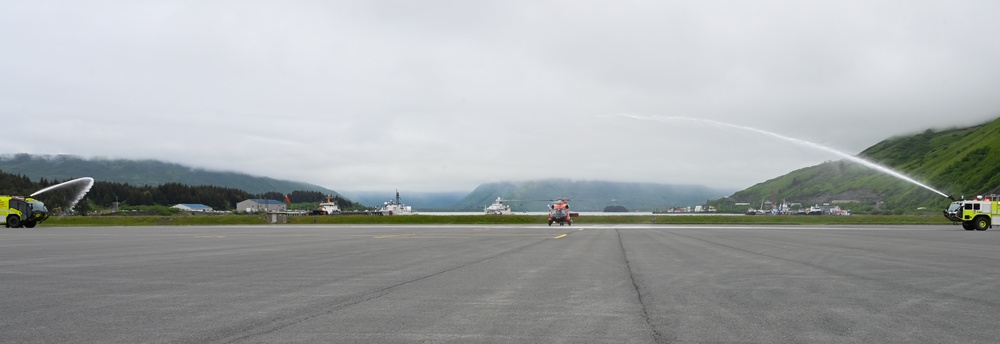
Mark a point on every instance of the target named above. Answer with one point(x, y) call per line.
point(499, 284)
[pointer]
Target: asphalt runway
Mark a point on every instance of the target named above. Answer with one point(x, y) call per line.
point(499, 284)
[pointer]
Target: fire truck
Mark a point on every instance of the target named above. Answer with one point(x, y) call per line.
point(975, 214)
point(22, 211)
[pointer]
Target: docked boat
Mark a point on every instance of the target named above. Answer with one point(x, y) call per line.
point(498, 208)
point(395, 207)
point(815, 210)
point(327, 208)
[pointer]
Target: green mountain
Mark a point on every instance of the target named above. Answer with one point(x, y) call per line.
point(587, 195)
point(962, 161)
point(143, 172)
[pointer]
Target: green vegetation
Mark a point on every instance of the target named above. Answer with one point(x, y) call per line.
point(143, 172)
point(959, 162)
point(161, 210)
point(157, 200)
point(191, 220)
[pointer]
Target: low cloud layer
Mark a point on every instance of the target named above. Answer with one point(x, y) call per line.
point(445, 95)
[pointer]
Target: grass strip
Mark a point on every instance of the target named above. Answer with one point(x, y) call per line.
point(207, 220)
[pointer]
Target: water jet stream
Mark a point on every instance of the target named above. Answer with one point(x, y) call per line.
point(83, 186)
point(800, 142)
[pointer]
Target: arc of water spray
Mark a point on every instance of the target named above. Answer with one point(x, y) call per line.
point(84, 184)
point(800, 142)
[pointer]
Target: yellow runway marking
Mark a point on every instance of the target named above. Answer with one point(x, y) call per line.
point(561, 236)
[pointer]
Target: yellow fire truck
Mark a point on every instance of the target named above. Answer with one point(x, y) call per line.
point(975, 214)
point(22, 211)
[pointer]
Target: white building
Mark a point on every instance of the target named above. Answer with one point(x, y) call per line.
point(257, 205)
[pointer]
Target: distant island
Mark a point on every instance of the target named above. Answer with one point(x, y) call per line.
point(615, 209)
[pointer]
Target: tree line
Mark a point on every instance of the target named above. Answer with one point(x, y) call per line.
point(107, 194)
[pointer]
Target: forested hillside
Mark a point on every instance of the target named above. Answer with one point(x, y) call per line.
point(143, 172)
point(962, 161)
point(104, 194)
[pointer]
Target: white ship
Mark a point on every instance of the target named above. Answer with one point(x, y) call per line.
point(327, 208)
point(394, 207)
point(498, 208)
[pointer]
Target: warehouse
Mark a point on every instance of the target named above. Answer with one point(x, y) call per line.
point(258, 205)
point(194, 207)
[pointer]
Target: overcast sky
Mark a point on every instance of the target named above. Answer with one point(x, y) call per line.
point(446, 95)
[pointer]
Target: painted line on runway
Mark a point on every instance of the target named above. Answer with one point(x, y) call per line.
point(396, 236)
point(561, 236)
point(857, 227)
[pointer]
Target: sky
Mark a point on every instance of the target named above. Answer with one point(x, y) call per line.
point(426, 96)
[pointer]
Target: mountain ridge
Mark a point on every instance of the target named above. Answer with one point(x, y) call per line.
point(144, 172)
point(588, 195)
point(956, 161)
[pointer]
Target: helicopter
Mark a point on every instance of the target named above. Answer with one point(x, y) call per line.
point(559, 212)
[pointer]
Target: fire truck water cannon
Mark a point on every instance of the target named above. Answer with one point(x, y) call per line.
point(974, 214)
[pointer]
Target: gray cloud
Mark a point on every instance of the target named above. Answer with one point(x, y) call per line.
point(445, 95)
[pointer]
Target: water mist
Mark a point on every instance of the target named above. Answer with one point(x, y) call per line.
point(799, 142)
point(80, 185)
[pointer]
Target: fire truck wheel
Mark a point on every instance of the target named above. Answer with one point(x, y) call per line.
point(13, 221)
point(981, 223)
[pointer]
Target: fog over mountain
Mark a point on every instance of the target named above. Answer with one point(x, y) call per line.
point(440, 95)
